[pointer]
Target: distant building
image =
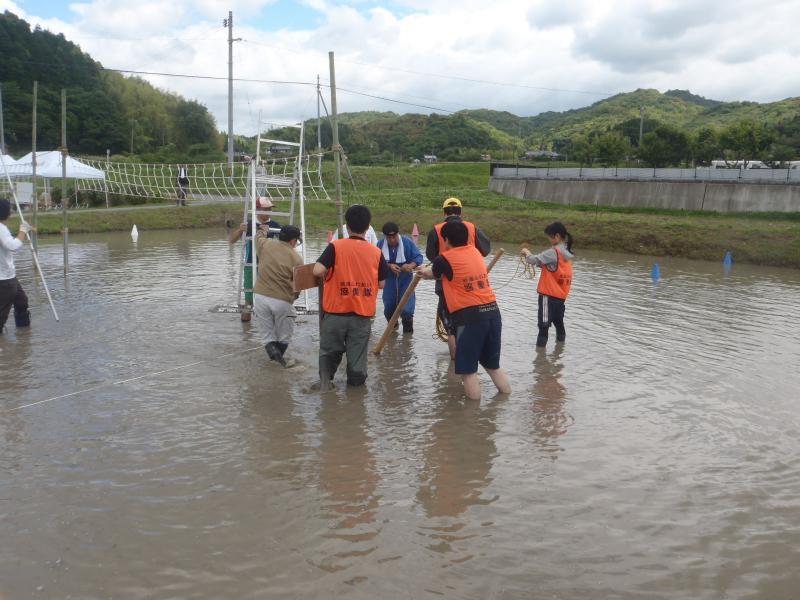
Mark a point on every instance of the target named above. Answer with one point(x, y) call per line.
point(430, 158)
point(548, 154)
point(278, 149)
point(486, 157)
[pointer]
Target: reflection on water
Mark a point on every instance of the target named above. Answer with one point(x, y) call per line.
point(550, 417)
point(654, 454)
point(348, 477)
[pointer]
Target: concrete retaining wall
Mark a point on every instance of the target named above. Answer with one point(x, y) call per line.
point(719, 197)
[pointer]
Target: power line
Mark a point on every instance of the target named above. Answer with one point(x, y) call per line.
point(245, 80)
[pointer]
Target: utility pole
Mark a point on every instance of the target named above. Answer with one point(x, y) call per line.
point(229, 24)
point(319, 135)
point(133, 123)
point(64, 176)
point(337, 149)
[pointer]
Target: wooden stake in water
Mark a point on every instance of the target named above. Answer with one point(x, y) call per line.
point(396, 314)
point(64, 199)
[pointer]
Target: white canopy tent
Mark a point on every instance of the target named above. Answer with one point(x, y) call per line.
point(48, 165)
point(9, 161)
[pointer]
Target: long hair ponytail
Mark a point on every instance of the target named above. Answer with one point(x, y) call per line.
point(558, 228)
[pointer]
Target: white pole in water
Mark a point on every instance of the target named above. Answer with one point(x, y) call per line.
point(134, 232)
point(33, 248)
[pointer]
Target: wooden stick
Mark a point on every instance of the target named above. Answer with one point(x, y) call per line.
point(396, 315)
point(497, 256)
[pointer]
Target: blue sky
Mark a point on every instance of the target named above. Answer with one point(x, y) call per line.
point(283, 14)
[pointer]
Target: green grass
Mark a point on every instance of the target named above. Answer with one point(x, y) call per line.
point(409, 195)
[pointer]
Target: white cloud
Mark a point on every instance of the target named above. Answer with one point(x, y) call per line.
point(738, 50)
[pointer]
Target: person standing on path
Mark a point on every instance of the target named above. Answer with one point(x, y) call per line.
point(11, 292)
point(402, 255)
point(353, 271)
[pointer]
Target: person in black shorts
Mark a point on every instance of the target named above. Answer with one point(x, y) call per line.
point(473, 309)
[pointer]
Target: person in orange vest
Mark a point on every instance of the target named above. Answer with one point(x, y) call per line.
point(473, 308)
point(435, 246)
point(555, 281)
point(353, 271)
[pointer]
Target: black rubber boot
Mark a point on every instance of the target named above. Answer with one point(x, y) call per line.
point(274, 353)
point(22, 318)
point(408, 324)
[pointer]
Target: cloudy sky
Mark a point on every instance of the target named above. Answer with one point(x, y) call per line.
point(426, 56)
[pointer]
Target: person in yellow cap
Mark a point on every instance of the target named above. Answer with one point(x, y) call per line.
point(435, 246)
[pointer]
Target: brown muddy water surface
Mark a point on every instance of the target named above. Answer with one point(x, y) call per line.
point(656, 454)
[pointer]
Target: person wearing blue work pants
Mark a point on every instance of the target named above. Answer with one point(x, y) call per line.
point(402, 256)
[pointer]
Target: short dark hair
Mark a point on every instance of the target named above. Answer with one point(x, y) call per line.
point(289, 233)
point(358, 218)
point(5, 209)
point(390, 228)
point(452, 210)
point(456, 233)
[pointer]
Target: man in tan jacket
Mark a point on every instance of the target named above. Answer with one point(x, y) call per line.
point(273, 294)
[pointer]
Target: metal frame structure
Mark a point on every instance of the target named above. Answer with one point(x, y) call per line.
point(264, 184)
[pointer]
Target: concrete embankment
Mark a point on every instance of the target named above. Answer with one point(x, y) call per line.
point(676, 195)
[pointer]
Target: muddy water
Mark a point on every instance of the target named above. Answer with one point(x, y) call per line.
point(653, 455)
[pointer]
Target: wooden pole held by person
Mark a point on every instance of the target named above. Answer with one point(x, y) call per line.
point(396, 314)
point(497, 256)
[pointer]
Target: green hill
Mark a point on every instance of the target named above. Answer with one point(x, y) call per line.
point(678, 108)
point(104, 109)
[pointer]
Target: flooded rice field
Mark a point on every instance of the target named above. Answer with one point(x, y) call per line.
point(149, 450)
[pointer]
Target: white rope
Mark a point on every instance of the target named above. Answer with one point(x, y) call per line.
point(123, 381)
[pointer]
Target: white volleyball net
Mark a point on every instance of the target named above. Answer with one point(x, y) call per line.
point(207, 182)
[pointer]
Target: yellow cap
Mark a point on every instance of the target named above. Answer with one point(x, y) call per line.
point(452, 202)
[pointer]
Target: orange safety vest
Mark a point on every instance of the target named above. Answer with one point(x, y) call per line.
point(556, 283)
point(470, 284)
point(351, 285)
point(472, 236)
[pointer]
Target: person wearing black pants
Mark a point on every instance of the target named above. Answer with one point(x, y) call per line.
point(555, 281)
point(551, 311)
point(11, 292)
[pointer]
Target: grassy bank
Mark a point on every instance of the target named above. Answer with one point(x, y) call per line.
point(414, 195)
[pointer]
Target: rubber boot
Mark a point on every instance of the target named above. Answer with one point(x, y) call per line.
point(325, 382)
point(408, 324)
point(22, 318)
point(274, 353)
